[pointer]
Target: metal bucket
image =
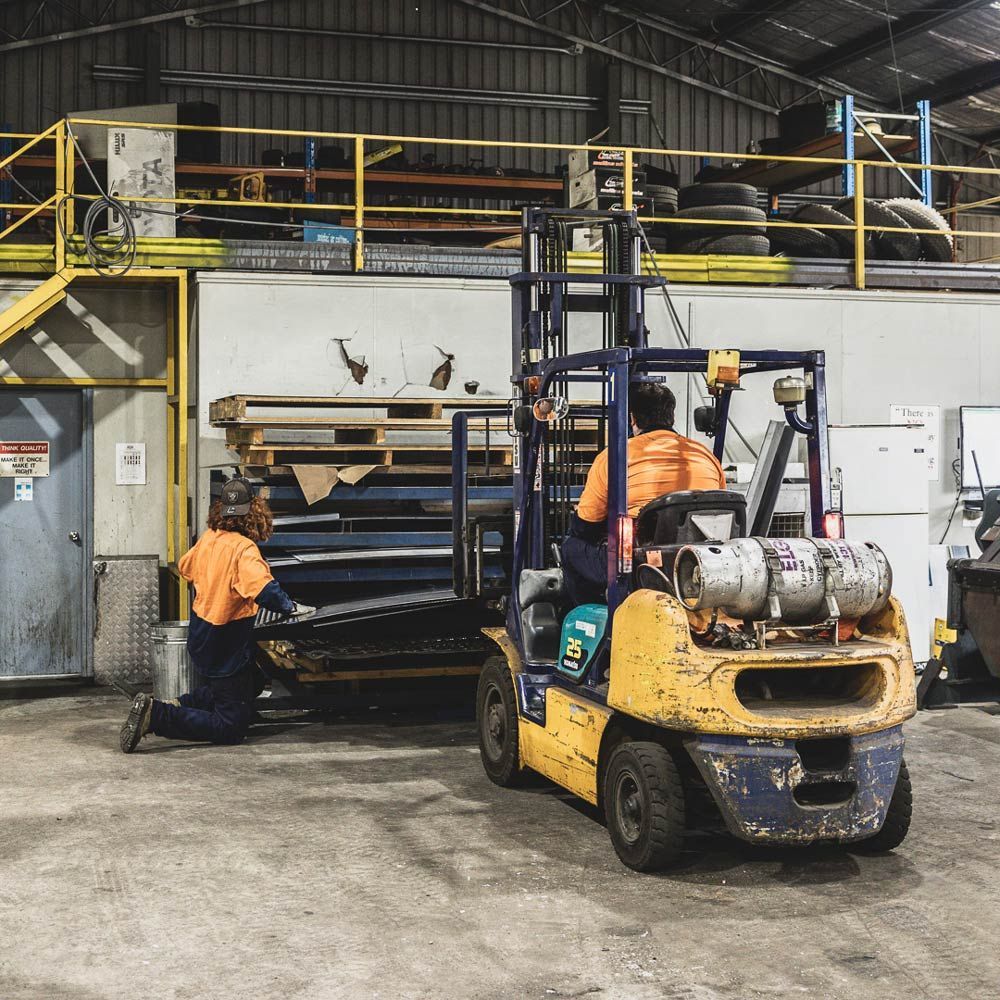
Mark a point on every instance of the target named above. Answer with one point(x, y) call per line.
point(173, 671)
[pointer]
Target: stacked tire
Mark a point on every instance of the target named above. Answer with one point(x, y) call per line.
point(841, 240)
point(663, 197)
point(718, 203)
point(938, 246)
point(888, 243)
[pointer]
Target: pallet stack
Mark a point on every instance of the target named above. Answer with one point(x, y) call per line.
point(361, 487)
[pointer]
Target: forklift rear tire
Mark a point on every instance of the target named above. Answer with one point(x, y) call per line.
point(644, 806)
point(897, 819)
point(497, 722)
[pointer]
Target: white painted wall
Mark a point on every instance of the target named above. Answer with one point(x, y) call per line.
point(276, 334)
point(102, 333)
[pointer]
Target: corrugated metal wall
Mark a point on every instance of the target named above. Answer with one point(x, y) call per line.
point(273, 79)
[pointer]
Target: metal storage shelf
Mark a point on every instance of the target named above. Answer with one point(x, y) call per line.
point(484, 186)
point(779, 176)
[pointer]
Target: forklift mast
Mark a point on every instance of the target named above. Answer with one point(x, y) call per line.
point(547, 363)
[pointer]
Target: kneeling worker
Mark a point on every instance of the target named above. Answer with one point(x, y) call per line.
point(230, 578)
point(659, 461)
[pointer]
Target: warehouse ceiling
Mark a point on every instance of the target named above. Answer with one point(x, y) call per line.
point(897, 51)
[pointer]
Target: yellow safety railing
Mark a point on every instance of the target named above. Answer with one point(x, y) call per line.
point(365, 216)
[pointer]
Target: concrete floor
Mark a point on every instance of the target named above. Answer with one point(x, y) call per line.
point(371, 858)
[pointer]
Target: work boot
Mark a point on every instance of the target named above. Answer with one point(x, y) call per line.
point(137, 724)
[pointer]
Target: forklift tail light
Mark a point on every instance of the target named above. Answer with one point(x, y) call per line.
point(625, 525)
point(833, 524)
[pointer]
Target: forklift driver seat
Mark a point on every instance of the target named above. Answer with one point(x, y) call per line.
point(541, 592)
point(673, 520)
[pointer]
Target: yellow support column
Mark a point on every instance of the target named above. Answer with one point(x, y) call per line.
point(182, 432)
point(69, 177)
point(359, 203)
point(627, 194)
point(60, 157)
point(859, 226)
point(171, 428)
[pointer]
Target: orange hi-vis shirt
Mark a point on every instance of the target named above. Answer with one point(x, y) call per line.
point(228, 572)
point(659, 462)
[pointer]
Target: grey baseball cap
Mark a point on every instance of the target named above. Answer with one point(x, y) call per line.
point(236, 497)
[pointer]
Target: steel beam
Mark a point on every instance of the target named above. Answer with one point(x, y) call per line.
point(869, 42)
point(589, 43)
point(348, 88)
point(119, 25)
point(964, 83)
point(751, 13)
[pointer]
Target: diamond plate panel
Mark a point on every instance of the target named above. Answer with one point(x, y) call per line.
point(127, 602)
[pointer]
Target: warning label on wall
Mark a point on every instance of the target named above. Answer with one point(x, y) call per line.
point(24, 458)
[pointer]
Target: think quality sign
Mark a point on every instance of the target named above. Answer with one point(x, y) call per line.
point(24, 458)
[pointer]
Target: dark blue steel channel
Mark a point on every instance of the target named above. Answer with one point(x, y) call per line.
point(721, 423)
point(754, 782)
point(818, 443)
point(459, 502)
point(618, 434)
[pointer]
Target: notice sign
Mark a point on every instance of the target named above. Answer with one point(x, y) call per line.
point(24, 489)
point(24, 458)
point(928, 417)
point(130, 464)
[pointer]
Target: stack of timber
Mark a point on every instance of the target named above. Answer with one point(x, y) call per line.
point(361, 487)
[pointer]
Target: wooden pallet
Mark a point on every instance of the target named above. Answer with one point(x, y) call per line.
point(344, 431)
point(253, 471)
point(237, 408)
point(416, 456)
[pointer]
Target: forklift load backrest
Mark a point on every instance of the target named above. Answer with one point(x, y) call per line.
point(692, 516)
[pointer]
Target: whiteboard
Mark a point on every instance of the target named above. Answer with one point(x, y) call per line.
point(981, 434)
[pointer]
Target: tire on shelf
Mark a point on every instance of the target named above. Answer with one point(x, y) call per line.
point(664, 198)
point(802, 242)
point(497, 723)
point(735, 244)
point(697, 195)
point(687, 232)
point(823, 215)
point(643, 800)
point(897, 818)
point(888, 246)
point(933, 246)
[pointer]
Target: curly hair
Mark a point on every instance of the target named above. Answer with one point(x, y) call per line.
point(257, 523)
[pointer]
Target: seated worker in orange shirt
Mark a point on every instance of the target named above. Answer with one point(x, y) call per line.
point(659, 461)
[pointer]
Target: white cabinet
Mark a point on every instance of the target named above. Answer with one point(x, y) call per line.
point(883, 473)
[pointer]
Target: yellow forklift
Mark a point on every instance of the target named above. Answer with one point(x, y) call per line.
point(770, 676)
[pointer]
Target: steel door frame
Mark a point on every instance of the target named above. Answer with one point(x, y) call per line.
point(86, 398)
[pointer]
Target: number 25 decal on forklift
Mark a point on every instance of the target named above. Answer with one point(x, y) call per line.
point(582, 633)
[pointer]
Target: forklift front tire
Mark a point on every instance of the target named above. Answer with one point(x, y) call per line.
point(644, 806)
point(497, 722)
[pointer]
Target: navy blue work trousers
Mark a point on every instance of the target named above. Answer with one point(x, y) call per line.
point(220, 711)
point(585, 570)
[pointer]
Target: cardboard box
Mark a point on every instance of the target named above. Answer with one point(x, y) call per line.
point(604, 186)
point(583, 160)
